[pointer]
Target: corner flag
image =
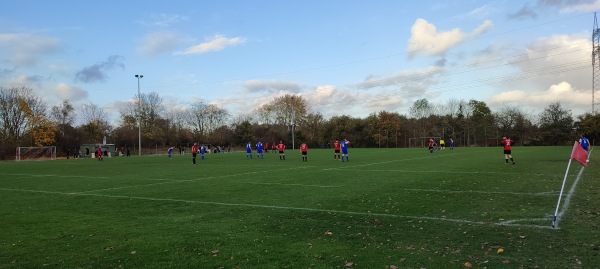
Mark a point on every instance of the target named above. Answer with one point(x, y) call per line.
point(579, 154)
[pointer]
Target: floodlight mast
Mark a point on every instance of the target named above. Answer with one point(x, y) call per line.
point(139, 116)
point(595, 66)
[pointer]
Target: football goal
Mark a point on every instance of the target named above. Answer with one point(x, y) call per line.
point(36, 153)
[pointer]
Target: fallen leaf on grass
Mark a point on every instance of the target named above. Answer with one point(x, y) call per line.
point(500, 250)
point(215, 252)
point(468, 265)
point(348, 264)
point(393, 267)
point(506, 261)
point(133, 252)
point(328, 233)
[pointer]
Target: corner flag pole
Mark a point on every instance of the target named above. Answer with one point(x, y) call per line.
point(555, 219)
point(580, 155)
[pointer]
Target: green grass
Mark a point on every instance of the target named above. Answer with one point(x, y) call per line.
point(401, 207)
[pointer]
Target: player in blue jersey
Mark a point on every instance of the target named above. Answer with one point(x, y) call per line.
point(248, 151)
point(584, 142)
point(202, 151)
point(170, 152)
point(344, 145)
point(259, 150)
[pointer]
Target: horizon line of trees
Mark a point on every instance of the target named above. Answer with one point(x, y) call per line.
point(27, 121)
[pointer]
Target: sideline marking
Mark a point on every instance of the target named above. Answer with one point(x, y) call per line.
point(485, 192)
point(285, 208)
point(63, 176)
point(293, 184)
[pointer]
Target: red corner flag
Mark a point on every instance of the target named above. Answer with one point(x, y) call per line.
point(579, 154)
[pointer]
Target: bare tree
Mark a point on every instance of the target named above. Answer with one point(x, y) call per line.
point(206, 118)
point(289, 109)
point(197, 117)
point(216, 117)
point(95, 125)
point(63, 114)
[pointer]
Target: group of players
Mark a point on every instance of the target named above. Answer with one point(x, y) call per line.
point(337, 145)
point(340, 150)
point(342, 147)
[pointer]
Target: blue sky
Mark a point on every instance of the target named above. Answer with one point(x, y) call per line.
point(345, 57)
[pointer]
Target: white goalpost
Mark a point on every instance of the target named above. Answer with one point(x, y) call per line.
point(36, 153)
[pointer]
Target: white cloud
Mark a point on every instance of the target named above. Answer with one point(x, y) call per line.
point(409, 80)
point(582, 6)
point(425, 38)
point(271, 86)
point(26, 49)
point(562, 92)
point(558, 58)
point(215, 43)
point(158, 43)
point(66, 92)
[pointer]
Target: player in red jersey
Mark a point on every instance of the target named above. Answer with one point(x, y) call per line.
point(507, 142)
point(99, 153)
point(304, 150)
point(336, 150)
point(281, 147)
point(194, 152)
point(431, 145)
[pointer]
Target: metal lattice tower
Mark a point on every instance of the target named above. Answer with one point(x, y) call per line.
point(595, 67)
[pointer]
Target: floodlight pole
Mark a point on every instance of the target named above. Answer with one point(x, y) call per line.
point(139, 116)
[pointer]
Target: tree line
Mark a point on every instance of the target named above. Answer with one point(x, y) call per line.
point(27, 120)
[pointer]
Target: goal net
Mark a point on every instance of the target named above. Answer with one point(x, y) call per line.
point(36, 153)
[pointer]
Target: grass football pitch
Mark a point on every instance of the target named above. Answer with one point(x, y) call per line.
point(386, 208)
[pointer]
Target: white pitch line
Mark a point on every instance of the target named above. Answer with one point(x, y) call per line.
point(59, 176)
point(485, 192)
point(282, 207)
point(438, 172)
point(294, 184)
